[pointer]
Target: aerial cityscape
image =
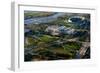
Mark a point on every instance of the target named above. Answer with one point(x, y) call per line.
point(56, 36)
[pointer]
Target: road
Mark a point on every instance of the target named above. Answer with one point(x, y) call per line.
point(84, 48)
point(47, 19)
